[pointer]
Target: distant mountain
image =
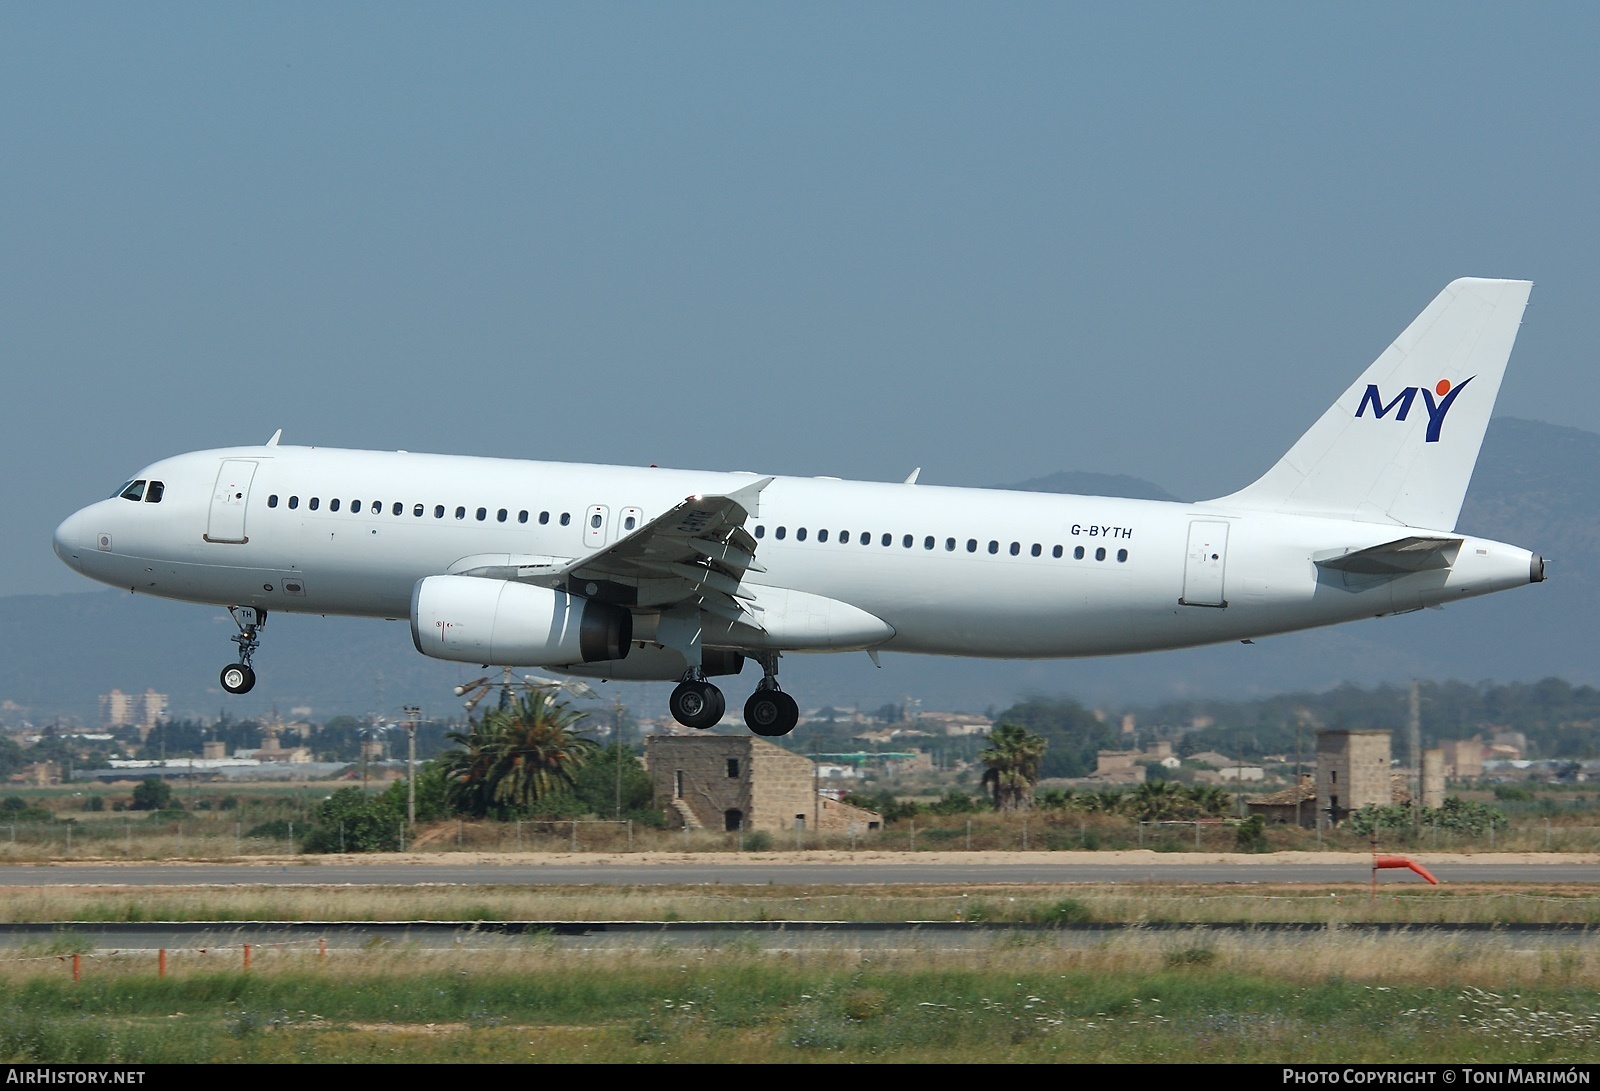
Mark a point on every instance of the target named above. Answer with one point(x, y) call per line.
point(1537, 485)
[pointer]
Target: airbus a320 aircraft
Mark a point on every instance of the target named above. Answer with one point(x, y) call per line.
point(681, 575)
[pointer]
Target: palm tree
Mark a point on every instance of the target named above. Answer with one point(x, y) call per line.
point(1158, 800)
point(1014, 757)
point(515, 756)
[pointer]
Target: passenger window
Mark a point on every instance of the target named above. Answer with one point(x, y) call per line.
point(417, 510)
point(544, 517)
point(844, 537)
point(1100, 554)
point(272, 501)
point(483, 513)
point(314, 504)
point(500, 516)
point(761, 531)
point(1016, 548)
point(566, 519)
point(800, 535)
point(1037, 549)
point(134, 491)
point(888, 539)
point(522, 516)
point(461, 513)
point(438, 511)
point(1077, 554)
point(927, 543)
point(949, 545)
point(1122, 556)
point(294, 502)
point(153, 494)
point(972, 545)
point(822, 535)
point(779, 533)
point(1056, 552)
point(355, 507)
point(398, 507)
point(333, 505)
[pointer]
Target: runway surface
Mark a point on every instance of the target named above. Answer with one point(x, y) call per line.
point(218, 938)
point(927, 870)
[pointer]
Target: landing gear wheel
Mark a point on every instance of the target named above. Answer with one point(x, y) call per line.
point(697, 704)
point(771, 713)
point(238, 678)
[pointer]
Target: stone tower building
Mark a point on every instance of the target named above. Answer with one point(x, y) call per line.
point(1352, 772)
point(732, 782)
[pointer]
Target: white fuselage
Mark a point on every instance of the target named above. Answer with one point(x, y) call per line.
point(951, 571)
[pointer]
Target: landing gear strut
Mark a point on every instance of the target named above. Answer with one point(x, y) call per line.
point(239, 677)
point(697, 703)
point(769, 711)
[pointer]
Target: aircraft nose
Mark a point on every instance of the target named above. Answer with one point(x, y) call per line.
point(69, 539)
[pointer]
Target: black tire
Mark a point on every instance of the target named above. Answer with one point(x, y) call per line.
point(771, 713)
point(238, 678)
point(697, 704)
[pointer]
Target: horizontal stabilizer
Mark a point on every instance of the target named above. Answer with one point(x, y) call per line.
point(1395, 558)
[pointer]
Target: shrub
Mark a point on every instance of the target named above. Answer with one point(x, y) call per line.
point(1066, 911)
point(350, 820)
point(1251, 834)
point(152, 794)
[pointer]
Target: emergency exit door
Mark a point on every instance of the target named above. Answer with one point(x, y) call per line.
point(1205, 564)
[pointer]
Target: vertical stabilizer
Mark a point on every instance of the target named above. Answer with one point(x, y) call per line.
point(1400, 444)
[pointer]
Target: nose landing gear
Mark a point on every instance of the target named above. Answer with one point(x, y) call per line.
point(239, 677)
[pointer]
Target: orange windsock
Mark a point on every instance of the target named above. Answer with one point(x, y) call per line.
point(1382, 861)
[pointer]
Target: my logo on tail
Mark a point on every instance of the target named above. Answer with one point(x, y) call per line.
point(1402, 403)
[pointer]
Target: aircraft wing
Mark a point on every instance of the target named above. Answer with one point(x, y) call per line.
point(1395, 558)
point(695, 552)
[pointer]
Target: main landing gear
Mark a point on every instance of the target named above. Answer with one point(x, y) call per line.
point(239, 677)
point(697, 703)
point(769, 712)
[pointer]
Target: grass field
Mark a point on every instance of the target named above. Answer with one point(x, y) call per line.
point(1061, 903)
point(1172, 998)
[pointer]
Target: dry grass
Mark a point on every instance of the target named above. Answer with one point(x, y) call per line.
point(1110, 903)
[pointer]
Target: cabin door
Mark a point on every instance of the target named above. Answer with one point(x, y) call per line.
point(1204, 565)
point(229, 501)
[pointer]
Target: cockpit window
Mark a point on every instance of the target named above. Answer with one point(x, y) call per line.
point(133, 490)
point(153, 494)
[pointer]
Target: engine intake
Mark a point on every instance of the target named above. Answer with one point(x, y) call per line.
point(468, 619)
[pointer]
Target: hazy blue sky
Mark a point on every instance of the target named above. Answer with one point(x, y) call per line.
point(992, 240)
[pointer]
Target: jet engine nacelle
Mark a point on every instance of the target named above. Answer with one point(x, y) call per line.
point(501, 623)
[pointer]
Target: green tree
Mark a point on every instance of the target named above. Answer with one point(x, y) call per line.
point(513, 758)
point(431, 791)
point(1074, 733)
point(350, 820)
point(152, 794)
point(1013, 760)
point(1159, 801)
point(595, 785)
